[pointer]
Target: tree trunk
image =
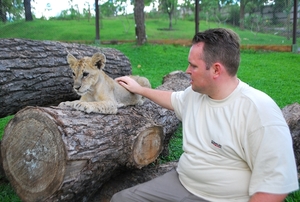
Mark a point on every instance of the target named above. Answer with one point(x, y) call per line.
point(170, 21)
point(2, 12)
point(53, 154)
point(97, 22)
point(28, 14)
point(242, 14)
point(139, 18)
point(291, 114)
point(36, 73)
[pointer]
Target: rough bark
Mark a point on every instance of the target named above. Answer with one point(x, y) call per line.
point(97, 38)
point(28, 14)
point(291, 114)
point(242, 14)
point(139, 17)
point(53, 154)
point(36, 73)
point(2, 12)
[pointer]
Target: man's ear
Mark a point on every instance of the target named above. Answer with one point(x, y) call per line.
point(217, 69)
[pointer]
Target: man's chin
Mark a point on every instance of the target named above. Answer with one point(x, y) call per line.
point(197, 90)
point(193, 88)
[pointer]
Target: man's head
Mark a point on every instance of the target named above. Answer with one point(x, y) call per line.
point(220, 45)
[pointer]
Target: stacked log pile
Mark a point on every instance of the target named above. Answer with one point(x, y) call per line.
point(55, 154)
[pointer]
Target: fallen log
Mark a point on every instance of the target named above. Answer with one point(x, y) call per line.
point(48, 150)
point(36, 73)
point(54, 154)
point(291, 114)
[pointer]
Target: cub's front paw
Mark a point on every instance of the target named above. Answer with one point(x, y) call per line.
point(84, 106)
point(68, 104)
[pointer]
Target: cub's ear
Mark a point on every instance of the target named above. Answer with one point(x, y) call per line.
point(71, 59)
point(99, 60)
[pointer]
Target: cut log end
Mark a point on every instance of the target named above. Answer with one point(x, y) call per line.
point(33, 157)
point(148, 146)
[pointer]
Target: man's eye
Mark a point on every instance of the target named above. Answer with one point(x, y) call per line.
point(85, 74)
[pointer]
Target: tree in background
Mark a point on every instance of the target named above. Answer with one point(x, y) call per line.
point(108, 9)
point(186, 7)
point(234, 14)
point(2, 11)
point(97, 39)
point(139, 18)
point(87, 12)
point(243, 4)
point(28, 14)
point(211, 10)
point(14, 10)
point(169, 6)
point(11, 10)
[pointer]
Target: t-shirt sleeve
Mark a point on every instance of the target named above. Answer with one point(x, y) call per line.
point(178, 102)
point(272, 160)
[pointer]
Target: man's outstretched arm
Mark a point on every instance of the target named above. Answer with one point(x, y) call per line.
point(163, 98)
point(266, 197)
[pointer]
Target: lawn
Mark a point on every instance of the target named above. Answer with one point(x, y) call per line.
point(272, 72)
point(123, 28)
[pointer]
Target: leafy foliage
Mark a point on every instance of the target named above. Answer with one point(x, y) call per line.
point(11, 10)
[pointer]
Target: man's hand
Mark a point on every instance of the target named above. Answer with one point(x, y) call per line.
point(163, 98)
point(129, 84)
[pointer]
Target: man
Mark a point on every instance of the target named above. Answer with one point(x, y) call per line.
point(237, 145)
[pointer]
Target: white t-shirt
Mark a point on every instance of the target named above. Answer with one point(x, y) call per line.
point(234, 147)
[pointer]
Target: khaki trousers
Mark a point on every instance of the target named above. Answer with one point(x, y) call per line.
point(166, 188)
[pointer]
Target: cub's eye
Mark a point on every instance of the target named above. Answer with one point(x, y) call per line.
point(85, 74)
point(73, 74)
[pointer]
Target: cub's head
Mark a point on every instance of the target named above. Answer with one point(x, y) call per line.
point(86, 71)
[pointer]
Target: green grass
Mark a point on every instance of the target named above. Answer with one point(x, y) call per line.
point(7, 194)
point(275, 73)
point(3, 123)
point(293, 197)
point(122, 28)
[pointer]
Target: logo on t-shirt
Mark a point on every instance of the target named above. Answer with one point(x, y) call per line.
point(216, 144)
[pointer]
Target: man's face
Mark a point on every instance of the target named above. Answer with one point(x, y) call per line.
point(201, 78)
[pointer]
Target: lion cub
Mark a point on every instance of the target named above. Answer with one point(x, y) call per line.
point(99, 93)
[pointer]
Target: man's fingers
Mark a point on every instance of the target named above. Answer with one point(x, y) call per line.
point(122, 83)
